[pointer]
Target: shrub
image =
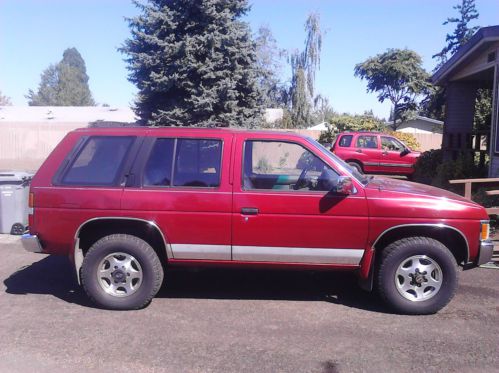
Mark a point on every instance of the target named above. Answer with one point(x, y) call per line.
point(406, 138)
point(426, 166)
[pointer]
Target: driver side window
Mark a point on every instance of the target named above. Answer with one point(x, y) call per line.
point(283, 165)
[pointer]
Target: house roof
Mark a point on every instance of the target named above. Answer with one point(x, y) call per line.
point(481, 39)
point(65, 114)
point(421, 118)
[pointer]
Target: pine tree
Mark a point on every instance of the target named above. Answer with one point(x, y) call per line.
point(4, 100)
point(462, 33)
point(194, 63)
point(63, 84)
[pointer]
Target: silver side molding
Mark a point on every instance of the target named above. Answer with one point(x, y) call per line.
point(196, 251)
point(297, 255)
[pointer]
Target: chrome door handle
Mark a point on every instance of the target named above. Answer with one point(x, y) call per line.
point(249, 211)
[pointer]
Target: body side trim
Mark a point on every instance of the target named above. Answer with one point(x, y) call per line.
point(297, 255)
point(436, 225)
point(195, 251)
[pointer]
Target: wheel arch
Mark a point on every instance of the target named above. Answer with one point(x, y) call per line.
point(94, 229)
point(449, 236)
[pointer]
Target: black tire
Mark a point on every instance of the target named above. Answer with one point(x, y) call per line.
point(17, 229)
point(417, 296)
point(105, 290)
point(356, 166)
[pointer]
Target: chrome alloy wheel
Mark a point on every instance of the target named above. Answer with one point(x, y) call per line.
point(119, 274)
point(418, 278)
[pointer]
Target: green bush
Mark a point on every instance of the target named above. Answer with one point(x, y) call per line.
point(426, 166)
point(406, 138)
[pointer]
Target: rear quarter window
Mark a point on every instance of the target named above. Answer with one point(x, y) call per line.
point(99, 162)
point(345, 141)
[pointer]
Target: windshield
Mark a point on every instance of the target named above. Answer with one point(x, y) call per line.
point(361, 178)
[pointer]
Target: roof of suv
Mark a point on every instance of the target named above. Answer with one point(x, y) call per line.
point(363, 132)
point(197, 130)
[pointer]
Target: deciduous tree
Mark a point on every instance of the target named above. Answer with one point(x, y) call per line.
point(396, 75)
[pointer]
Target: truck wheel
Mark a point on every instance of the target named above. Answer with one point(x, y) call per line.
point(121, 272)
point(356, 166)
point(417, 275)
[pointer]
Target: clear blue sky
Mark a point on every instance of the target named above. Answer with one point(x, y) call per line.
point(34, 33)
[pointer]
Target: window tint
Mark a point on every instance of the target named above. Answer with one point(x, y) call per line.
point(367, 141)
point(345, 141)
point(197, 163)
point(389, 143)
point(284, 166)
point(99, 162)
point(158, 170)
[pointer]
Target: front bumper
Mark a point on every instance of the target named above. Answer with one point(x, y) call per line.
point(31, 243)
point(485, 252)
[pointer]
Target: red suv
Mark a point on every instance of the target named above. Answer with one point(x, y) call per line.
point(371, 152)
point(126, 204)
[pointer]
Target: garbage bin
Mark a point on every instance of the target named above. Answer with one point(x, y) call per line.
point(14, 195)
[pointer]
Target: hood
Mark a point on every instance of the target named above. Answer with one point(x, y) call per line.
point(403, 186)
point(400, 198)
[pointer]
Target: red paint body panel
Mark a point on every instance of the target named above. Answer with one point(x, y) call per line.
point(212, 216)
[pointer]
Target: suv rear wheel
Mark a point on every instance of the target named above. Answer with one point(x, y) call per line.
point(417, 275)
point(121, 272)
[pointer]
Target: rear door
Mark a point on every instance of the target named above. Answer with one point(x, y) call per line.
point(182, 184)
point(367, 151)
point(284, 210)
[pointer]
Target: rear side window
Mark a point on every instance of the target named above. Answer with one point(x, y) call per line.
point(345, 141)
point(99, 162)
point(197, 163)
point(158, 170)
point(370, 142)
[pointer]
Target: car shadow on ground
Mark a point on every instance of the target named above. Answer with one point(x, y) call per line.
point(54, 275)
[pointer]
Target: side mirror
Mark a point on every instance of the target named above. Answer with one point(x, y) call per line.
point(344, 185)
point(405, 152)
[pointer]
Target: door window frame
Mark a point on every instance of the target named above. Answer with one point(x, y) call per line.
point(280, 191)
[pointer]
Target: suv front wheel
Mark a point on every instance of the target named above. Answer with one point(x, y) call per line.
point(121, 272)
point(417, 275)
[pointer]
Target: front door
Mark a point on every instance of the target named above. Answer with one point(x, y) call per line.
point(393, 159)
point(284, 210)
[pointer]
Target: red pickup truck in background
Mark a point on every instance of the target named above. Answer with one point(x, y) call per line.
point(126, 204)
point(372, 152)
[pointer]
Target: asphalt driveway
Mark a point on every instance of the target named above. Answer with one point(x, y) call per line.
point(237, 321)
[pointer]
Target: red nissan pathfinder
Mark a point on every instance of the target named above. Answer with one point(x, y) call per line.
point(125, 204)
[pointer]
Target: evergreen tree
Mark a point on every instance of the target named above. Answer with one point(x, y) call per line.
point(462, 33)
point(4, 100)
point(64, 84)
point(194, 63)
